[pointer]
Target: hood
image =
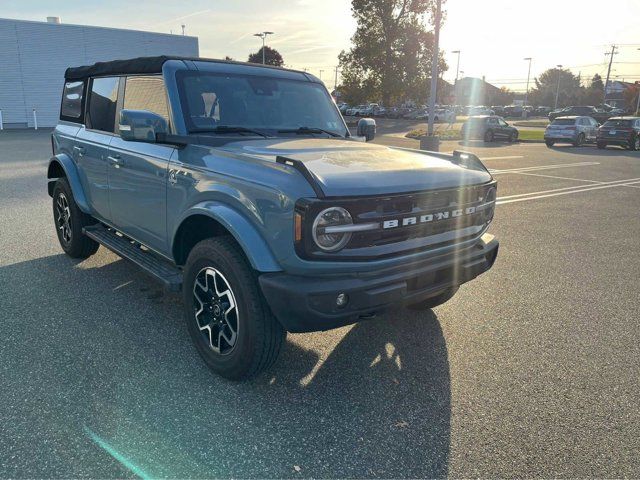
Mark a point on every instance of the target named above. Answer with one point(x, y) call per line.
point(346, 167)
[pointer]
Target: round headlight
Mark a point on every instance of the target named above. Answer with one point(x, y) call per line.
point(331, 241)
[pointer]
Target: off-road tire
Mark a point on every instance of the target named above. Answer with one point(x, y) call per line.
point(74, 243)
point(601, 145)
point(434, 301)
point(259, 334)
point(549, 143)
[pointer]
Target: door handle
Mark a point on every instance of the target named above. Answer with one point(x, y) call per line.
point(79, 151)
point(116, 161)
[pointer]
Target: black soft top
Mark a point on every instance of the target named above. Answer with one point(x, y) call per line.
point(140, 65)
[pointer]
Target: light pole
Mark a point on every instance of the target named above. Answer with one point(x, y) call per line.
point(555, 107)
point(263, 36)
point(638, 102)
point(526, 95)
point(434, 68)
point(321, 74)
point(455, 83)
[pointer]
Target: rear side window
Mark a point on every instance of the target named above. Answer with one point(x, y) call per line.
point(103, 98)
point(72, 102)
point(146, 93)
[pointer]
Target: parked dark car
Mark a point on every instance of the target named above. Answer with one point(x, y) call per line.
point(622, 131)
point(600, 116)
point(488, 128)
point(574, 130)
point(498, 110)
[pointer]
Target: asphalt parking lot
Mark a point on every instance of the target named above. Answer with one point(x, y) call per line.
point(531, 370)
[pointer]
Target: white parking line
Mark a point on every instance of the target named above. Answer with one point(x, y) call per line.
point(631, 182)
point(543, 167)
point(502, 158)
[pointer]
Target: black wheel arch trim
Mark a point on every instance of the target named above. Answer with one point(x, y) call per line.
point(61, 163)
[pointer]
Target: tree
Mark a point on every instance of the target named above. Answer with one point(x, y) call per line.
point(544, 92)
point(390, 59)
point(272, 57)
point(594, 93)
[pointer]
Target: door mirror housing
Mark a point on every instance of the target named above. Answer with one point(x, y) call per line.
point(141, 126)
point(366, 128)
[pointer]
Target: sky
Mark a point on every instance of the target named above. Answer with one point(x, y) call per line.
point(493, 35)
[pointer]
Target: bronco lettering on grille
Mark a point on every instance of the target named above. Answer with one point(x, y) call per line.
point(431, 217)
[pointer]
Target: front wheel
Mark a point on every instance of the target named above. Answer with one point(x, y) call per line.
point(549, 143)
point(513, 137)
point(488, 137)
point(634, 144)
point(69, 221)
point(228, 319)
point(433, 302)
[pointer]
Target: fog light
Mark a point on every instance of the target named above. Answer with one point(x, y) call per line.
point(342, 299)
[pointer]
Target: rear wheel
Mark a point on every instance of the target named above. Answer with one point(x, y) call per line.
point(433, 302)
point(549, 143)
point(601, 145)
point(70, 221)
point(579, 141)
point(228, 319)
point(634, 144)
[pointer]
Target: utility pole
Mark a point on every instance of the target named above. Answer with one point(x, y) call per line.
point(335, 83)
point(321, 74)
point(526, 95)
point(606, 84)
point(263, 36)
point(183, 25)
point(555, 106)
point(434, 67)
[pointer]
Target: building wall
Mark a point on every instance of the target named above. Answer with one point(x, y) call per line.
point(34, 56)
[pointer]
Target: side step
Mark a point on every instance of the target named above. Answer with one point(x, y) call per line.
point(164, 271)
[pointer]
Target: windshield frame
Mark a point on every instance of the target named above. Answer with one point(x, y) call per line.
point(342, 131)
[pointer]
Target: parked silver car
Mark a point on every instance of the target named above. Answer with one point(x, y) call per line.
point(574, 129)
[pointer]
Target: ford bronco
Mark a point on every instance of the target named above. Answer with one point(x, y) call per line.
point(241, 187)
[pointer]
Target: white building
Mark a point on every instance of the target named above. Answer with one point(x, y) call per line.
point(35, 55)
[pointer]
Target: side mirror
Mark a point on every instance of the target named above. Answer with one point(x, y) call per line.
point(141, 126)
point(366, 128)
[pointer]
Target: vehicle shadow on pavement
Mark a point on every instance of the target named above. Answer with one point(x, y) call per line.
point(100, 378)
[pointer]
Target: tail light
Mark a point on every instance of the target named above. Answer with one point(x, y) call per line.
point(571, 128)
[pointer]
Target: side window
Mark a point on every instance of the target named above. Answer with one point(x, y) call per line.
point(492, 121)
point(146, 93)
point(103, 98)
point(72, 98)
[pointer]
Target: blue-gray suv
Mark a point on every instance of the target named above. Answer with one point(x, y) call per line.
point(241, 187)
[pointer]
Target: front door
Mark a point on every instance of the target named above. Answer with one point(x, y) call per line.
point(138, 190)
point(137, 171)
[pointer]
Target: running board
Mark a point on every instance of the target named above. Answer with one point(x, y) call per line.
point(164, 271)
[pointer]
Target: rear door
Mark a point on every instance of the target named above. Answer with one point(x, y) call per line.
point(92, 143)
point(138, 170)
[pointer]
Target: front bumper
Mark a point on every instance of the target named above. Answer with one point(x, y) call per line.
point(307, 304)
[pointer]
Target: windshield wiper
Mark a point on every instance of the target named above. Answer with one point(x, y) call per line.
point(304, 130)
point(228, 129)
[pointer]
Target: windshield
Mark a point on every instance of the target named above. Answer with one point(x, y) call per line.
point(564, 121)
point(265, 104)
point(617, 123)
